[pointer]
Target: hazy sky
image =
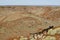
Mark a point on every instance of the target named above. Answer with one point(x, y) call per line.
point(29, 2)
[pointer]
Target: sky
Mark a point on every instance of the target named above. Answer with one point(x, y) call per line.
point(30, 2)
